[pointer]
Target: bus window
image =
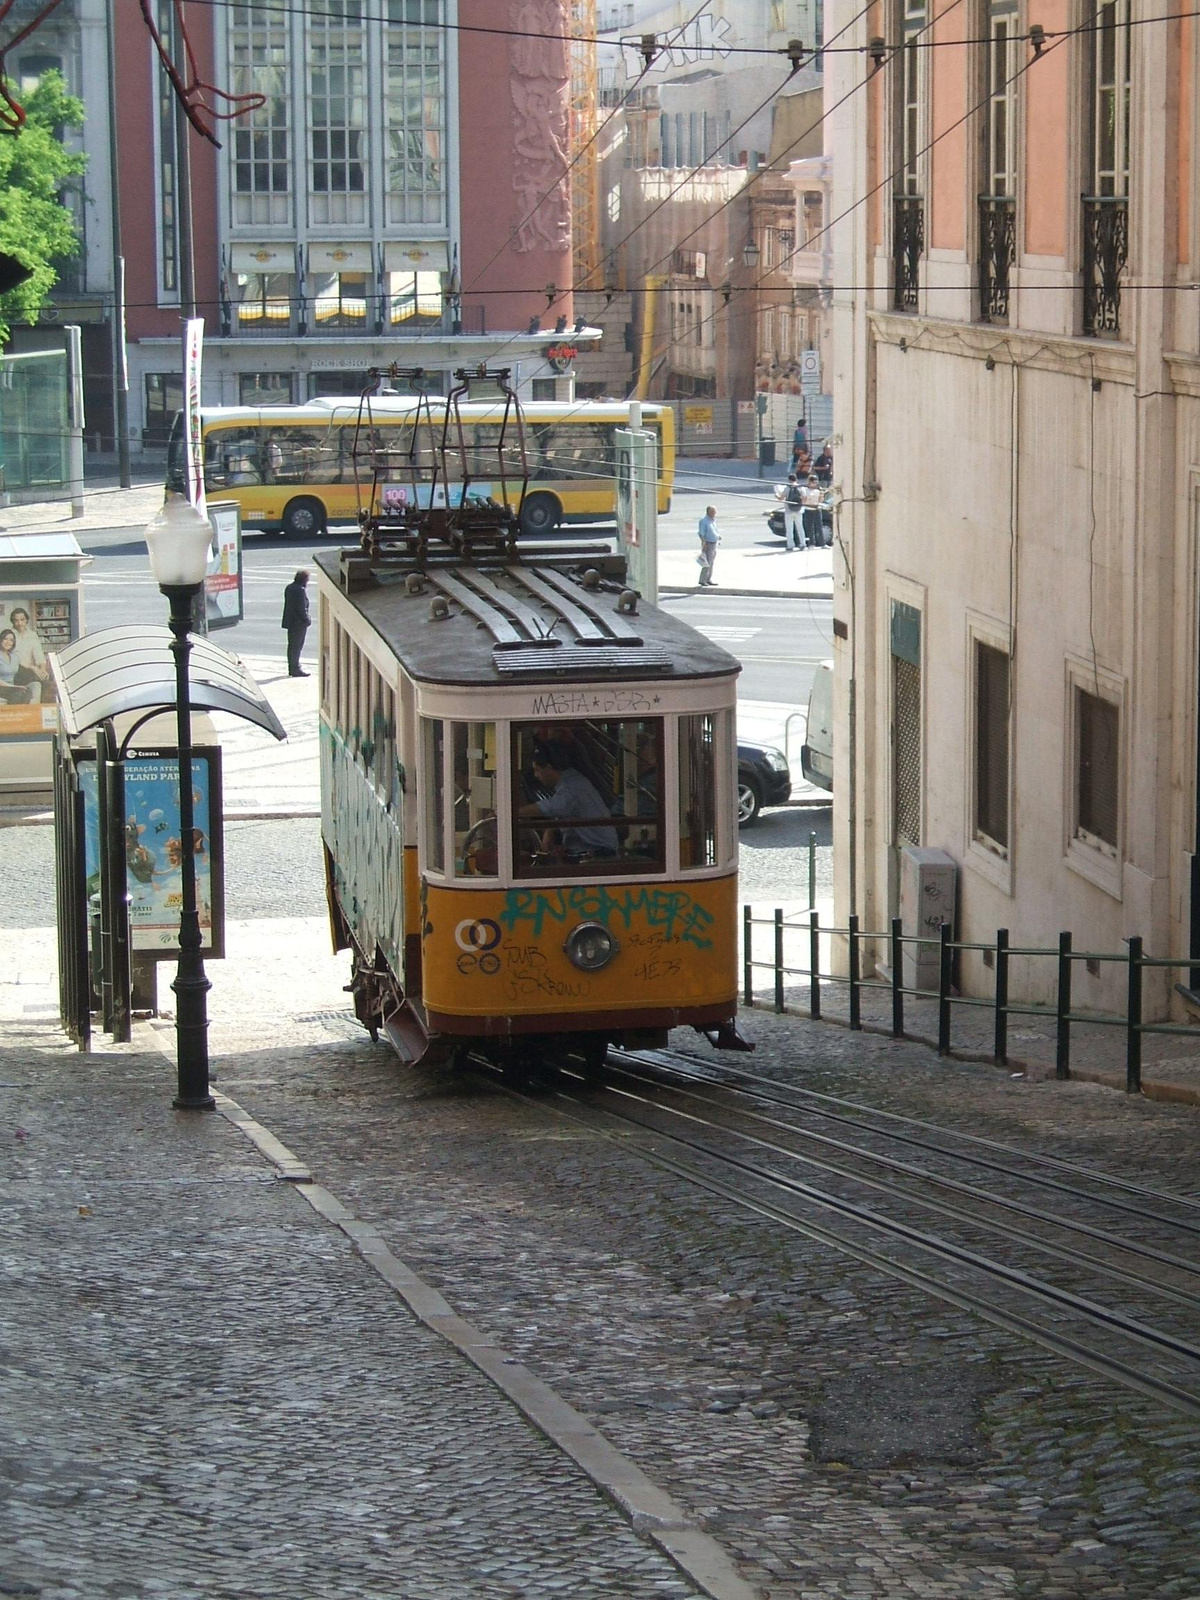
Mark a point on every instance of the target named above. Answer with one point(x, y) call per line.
point(476, 842)
point(588, 797)
point(231, 458)
point(579, 451)
point(435, 791)
point(298, 455)
point(697, 792)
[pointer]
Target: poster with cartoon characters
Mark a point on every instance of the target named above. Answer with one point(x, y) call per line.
point(153, 853)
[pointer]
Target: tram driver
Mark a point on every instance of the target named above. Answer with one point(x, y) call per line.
point(570, 795)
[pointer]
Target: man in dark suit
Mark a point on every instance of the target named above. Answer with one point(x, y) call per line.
point(296, 618)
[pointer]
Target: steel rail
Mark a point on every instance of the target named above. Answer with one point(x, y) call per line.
point(666, 1059)
point(1106, 1366)
point(1072, 1257)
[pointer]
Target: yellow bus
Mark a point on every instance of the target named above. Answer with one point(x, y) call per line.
point(292, 468)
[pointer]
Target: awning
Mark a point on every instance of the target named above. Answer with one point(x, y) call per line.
point(127, 669)
point(262, 258)
point(329, 257)
point(425, 255)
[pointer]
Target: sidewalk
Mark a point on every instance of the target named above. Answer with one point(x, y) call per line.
point(792, 574)
point(218, 1389)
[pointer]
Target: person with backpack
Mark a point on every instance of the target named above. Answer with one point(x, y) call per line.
point(793, 507)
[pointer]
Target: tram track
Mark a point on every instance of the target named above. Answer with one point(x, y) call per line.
point(685, 1118)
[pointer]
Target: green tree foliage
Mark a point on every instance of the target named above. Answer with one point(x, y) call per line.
point(35, 168)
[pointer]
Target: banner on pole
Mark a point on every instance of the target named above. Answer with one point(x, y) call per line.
point(193, 355)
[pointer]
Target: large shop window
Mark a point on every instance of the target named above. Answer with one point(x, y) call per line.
point(697, 791)
point(588, 798)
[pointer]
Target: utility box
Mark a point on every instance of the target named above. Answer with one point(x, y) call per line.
point(928, 887)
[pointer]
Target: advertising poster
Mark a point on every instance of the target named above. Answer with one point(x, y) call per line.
point(223, 583)
point(32, 623)
point(152, 849)
point(191, 414)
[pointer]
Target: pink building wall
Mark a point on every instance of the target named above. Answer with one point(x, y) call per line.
point(515, 201)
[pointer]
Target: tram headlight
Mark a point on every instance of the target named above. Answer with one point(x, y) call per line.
point(590, 946)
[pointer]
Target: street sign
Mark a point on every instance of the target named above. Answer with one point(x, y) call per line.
point(810, 372)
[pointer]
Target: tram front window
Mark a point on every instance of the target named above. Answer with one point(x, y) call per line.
point(588, 797)
point(473, 756)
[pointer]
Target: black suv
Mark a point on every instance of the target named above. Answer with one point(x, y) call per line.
point(763, 780)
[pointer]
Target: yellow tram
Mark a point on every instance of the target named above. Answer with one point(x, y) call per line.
point(527, 781)
point(481, 901)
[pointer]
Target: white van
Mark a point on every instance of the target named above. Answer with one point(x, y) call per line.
point(816, 753)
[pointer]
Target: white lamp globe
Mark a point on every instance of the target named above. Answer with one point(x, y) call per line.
point(179, 541)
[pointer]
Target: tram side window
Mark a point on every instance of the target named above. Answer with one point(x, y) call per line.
point(588, 797)
point(697, 792)
point(385, 760)
point(326, 627)
point(435, 792)
point(343, 682)
point(476, 841)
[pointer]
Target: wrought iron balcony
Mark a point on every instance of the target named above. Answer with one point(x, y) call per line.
point(908, 243)
point(997, 251)
point(1105, 251)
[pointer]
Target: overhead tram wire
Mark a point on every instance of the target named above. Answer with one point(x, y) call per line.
point(692, 172)
point(826, 113)
point(583, 149)
point(634, 44)
point(896, 171)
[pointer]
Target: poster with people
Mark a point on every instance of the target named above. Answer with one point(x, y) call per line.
point(32, 624)
point(154, 853)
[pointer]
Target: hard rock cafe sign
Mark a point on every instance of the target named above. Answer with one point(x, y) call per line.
point(559, 357)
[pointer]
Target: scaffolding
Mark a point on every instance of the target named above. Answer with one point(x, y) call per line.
point(585, 173)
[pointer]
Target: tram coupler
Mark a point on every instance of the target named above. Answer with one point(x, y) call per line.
point(725, 1036)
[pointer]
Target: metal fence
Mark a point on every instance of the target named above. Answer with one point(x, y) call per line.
point(1133, 958)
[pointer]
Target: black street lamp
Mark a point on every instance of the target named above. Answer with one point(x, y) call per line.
point(179, 540)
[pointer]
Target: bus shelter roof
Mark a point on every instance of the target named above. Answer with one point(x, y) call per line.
point(119, 670)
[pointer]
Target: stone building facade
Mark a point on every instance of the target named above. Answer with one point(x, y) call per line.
point(1017, 387)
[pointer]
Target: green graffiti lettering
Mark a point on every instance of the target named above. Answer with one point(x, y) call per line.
point(672, 910)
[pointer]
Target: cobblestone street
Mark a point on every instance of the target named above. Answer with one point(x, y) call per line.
point(208, 1392)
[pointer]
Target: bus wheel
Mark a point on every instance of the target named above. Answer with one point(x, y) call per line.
point(540, 514)
point(303, 517)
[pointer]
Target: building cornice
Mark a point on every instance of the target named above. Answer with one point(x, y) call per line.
point(976, 341)
point(1185, 372)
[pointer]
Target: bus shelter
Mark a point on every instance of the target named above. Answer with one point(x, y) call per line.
point(116, 799)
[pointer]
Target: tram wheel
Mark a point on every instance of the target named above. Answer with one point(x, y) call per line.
point(592, 1049)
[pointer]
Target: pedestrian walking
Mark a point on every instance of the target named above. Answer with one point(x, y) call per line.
point(709, 539)
point(811, 501)
point(296, 618)
point(793, 505)
point(799, 444)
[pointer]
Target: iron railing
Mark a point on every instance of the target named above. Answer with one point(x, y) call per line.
point(1001, 952)
point(997, 251)
point(1105, 251)
point(908, 244)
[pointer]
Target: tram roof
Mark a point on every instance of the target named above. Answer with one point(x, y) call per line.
point(528, 621)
